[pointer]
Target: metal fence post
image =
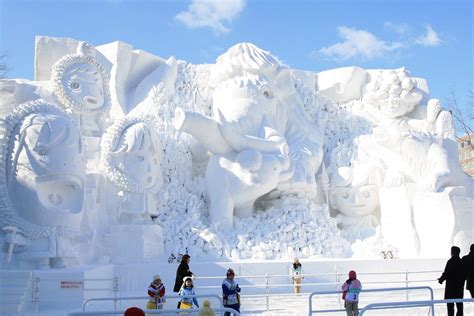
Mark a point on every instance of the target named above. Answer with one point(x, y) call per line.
point(116, 289)
point(267, 290)
point(406, 284)
point(36, 290)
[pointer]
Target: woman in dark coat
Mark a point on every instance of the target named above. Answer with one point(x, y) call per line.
point(454, 274)
point(183, 271)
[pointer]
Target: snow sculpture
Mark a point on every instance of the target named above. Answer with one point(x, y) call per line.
point(437, 121)
point(391, 96)
point(288, 118)
point(354, 194)
point(131, 157)
point(81, 85)
point(256, 108)
point(80, 82)
point(243, 167)
point(42, 182)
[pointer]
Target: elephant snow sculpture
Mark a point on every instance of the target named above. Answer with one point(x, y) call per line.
point(42, 182)
point(235, 181)
point(256, 107)
point(249, 153)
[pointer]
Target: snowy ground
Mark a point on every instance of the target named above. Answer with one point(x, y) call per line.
point(281, 300)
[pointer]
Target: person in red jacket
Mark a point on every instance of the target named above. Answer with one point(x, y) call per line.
point(156, 291)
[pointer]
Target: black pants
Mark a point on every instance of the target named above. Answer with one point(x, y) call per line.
point(451, 309)
point(235, 307)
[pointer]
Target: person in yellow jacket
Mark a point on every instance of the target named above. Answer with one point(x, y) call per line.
point(207, 310)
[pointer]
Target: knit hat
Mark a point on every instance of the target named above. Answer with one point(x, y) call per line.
point(186, 278)
point(230, 272)
point(134, 311)
point(156, 277)
point(207, 303)
point(352, 274)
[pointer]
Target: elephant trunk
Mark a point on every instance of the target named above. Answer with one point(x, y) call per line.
point(204, 129)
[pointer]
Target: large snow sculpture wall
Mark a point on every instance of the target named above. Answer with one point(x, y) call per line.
point(245, 158)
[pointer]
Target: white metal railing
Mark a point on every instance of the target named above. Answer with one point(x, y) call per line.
point(156, 311)
point(129, 298)
point(396, 289)
point(405, 279)
point(411, 304)
point(37, 281)
point(269, 283)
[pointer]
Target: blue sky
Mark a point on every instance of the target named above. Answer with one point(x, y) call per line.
point(433, 39)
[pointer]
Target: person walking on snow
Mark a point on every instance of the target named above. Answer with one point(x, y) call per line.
point(230, 292)
point(454, 274)
point(296, 273)
point(468, 261)
point(181, 272)
point(351, 289)
point(156, 291)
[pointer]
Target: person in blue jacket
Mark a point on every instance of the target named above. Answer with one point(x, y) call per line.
point(230, 292)
point(187, 289)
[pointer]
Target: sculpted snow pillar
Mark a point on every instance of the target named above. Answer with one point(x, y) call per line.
point(81, 85)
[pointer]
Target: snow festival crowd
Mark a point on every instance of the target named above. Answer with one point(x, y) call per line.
point(457, 272)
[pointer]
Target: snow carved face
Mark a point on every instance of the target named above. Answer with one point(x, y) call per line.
point(47, 168)
point(84, 85)
point(354, 196)
point(137, 156)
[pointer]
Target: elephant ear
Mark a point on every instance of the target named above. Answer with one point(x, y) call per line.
point(249, 159)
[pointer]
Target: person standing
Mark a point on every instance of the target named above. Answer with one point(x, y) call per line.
point(230, 292)
point(350, 293)
point(296, 273)
point(454, 274)
point(182, 272)
point(156, 291)
point(187, 289)
point(468, 261)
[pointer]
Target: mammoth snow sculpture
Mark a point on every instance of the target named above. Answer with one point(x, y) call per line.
point(42, 182)
point(256, 121)
point(131, 158)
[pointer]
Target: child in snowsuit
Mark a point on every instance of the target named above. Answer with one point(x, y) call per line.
point(156, 291)
point(231, 290)
point(187, 289)
point(351, 289)
point(207, 310)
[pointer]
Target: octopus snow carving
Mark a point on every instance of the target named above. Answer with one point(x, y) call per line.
point(42, 182)
point(354, 194)
point(131, 158)
point(257, 128)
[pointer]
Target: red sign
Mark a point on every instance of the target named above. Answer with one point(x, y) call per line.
point(72, 284)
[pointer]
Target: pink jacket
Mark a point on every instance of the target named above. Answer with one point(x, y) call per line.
point(352, 290)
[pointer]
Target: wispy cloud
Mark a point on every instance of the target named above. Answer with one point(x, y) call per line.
point(358, 44)
point(216, 14)
point(430, 38)
point(399, 28)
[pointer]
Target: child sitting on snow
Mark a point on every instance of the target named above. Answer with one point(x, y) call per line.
point(156, 291)
point(187, 289)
